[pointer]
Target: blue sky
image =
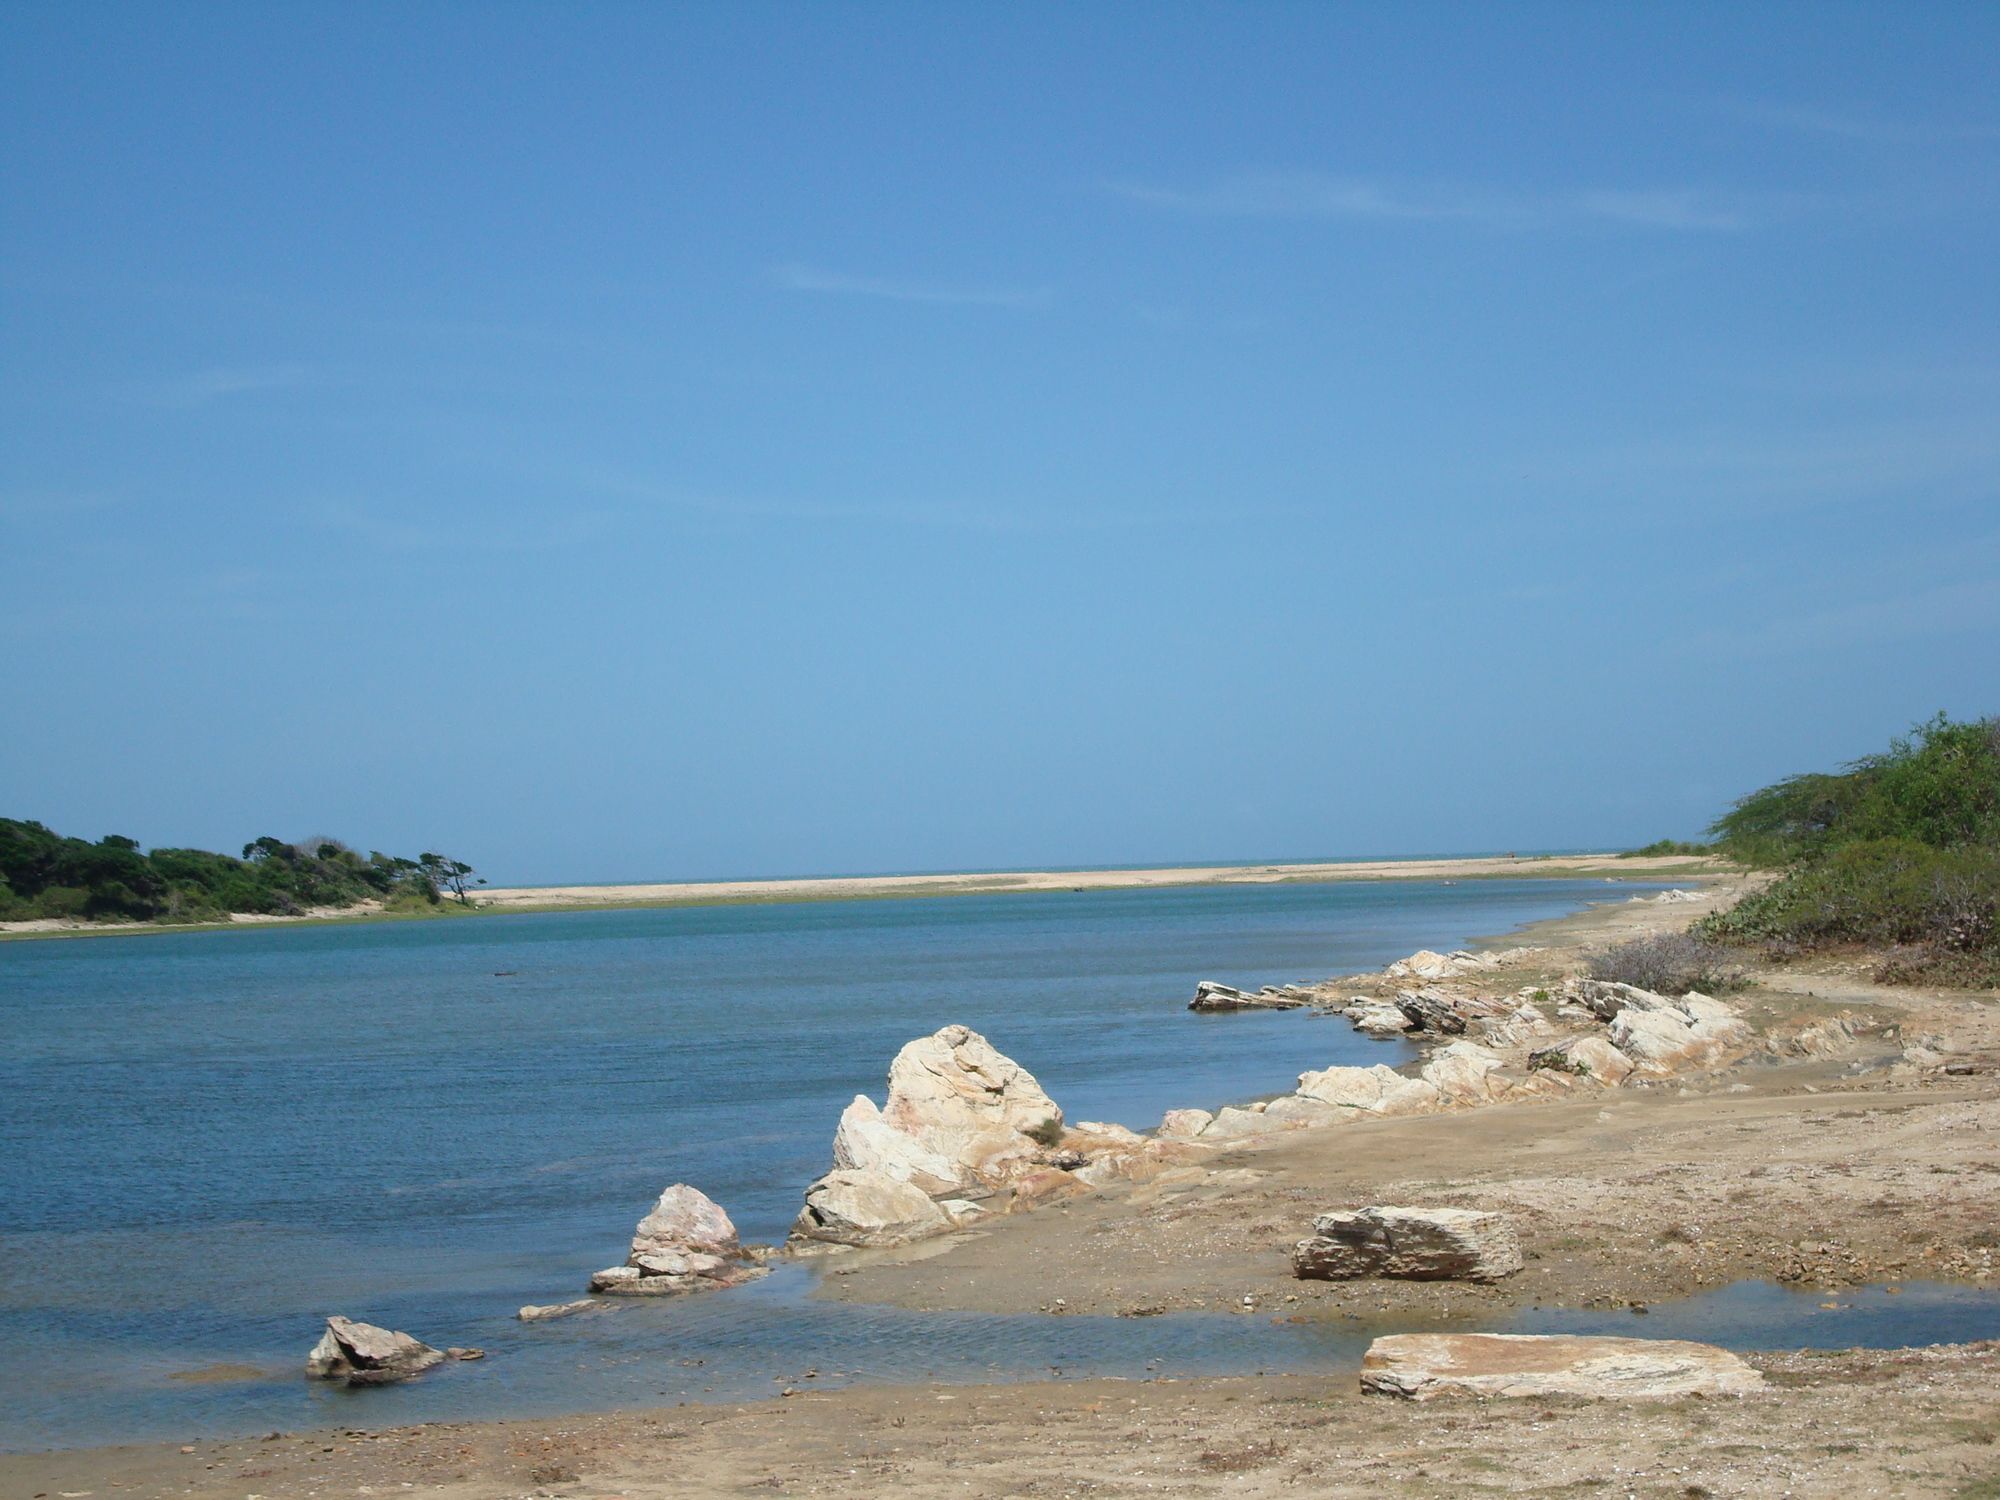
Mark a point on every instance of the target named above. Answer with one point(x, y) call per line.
point(643, 441)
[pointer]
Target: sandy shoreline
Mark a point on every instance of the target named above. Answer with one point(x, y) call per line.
point(857, 887)
point(549, 898)
point(1818, 1171)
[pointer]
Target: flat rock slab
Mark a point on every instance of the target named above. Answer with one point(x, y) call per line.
point(1414, 1244)
point(1419, 1366)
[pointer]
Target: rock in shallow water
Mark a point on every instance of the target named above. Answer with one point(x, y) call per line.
point(1422, 1365)
point(542, 1313)
point(362, 1354)
point(685, 1244)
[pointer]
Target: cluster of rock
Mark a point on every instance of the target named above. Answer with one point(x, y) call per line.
point(686, 1244)
point(1532, 1044)
point(1458, 1244)
point(362, 1354)
point(964, 1131)
point(1413, 1244)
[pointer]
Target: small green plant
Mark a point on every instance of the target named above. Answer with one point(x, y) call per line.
point(1661, 847)
point(1554, 1060)
point(1049, 1133)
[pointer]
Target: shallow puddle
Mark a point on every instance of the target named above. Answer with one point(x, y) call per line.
point(770, 1336)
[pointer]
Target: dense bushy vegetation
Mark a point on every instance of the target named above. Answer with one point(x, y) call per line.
point(43, 874)
point(1661, 847)
point(1670, 963)
point(1901, 851)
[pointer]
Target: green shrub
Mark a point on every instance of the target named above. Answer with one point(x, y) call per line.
point(1662, 847)
point(1936, 907)
point(66, 901)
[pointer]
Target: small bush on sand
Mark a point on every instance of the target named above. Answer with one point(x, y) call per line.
point(1670, 964)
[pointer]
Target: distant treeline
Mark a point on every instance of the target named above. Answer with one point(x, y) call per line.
point(1899, 852)
point(44, 874)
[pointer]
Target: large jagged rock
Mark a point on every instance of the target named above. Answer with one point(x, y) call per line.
point(1416, 1244)
point(362, 1354)
point(1465, 1073)
point(848, 1207)
point(1378, 1018)
point(962, 1121)
point(1605, 998)
point(685, 1244)
point(1692, 1032)
point(1447, 1012)
point(1423, 964)
point(865, 1142)
point(1420, 1366)
point(1184, 1124)
point(1379, 1090)
point(968, 1104)
point(1583, 1057)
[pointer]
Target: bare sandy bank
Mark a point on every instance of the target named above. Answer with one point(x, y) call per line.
point(1689, 868)
point(852, 887)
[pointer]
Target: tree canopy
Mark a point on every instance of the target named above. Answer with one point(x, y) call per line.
point(45, 874)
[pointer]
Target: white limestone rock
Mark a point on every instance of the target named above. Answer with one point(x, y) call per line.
point(363, 1354)
point(1420, 1366)
point(848, 1207)
point(1378, 1090)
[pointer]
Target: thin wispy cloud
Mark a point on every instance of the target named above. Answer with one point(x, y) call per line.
point(801, 278)
point(1319, 196)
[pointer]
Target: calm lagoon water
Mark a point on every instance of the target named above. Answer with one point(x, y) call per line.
point(209, 1141)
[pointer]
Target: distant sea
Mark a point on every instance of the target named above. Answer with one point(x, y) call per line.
point(209, 1141)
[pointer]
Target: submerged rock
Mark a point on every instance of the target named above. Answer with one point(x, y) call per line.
point(362, 1354)
point(685, 1244)
point(541, 1314)
point(1417, 1244)
point(1422, 1365)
